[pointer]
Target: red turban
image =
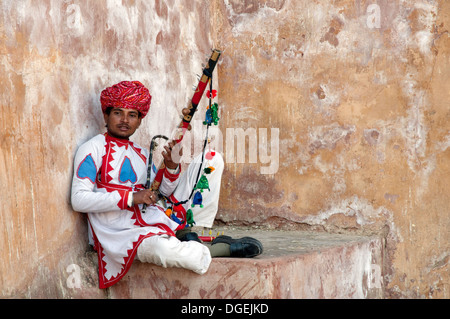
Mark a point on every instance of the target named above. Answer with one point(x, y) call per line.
point(127, 95)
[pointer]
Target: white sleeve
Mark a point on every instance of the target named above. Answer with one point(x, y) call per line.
point(84, 198)
point(170, 181)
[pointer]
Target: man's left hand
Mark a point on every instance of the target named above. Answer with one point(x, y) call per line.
point(172, 155)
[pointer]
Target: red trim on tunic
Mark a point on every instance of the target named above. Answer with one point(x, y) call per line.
point(171, 177)
point(179, 212)
point(122, 204)
point(128, 261)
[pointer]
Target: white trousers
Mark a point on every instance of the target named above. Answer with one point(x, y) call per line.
point(203, 216)
point(167, 251)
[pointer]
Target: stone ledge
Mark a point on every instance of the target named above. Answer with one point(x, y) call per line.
point(295, 264)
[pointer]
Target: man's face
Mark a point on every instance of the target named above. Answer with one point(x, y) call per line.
point(122, 123)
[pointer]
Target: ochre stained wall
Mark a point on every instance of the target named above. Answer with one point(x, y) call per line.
point(345, 104)
point(360, 93)
point(55, 58)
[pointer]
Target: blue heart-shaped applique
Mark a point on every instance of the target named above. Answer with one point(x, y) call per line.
point(127, 172)
point(87, 169)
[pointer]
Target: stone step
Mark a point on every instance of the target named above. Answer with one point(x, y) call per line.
point(294, 264)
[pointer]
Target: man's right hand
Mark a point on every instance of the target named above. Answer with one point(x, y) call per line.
point(145, 196)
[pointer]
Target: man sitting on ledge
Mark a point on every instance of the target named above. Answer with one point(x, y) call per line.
point(110, 172)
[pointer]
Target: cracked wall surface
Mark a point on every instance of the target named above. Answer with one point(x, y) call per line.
point(357, 92)
point(56, 57)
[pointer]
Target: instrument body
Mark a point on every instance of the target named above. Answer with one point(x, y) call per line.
point(183, 126)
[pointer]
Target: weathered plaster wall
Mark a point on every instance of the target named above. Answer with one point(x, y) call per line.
point(361, 101)
point(56, 57)
point(362, 113)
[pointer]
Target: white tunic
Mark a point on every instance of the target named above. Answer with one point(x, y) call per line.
point(106, 170)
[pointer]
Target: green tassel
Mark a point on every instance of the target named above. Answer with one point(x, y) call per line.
point(202, 184)
point(190, 217)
